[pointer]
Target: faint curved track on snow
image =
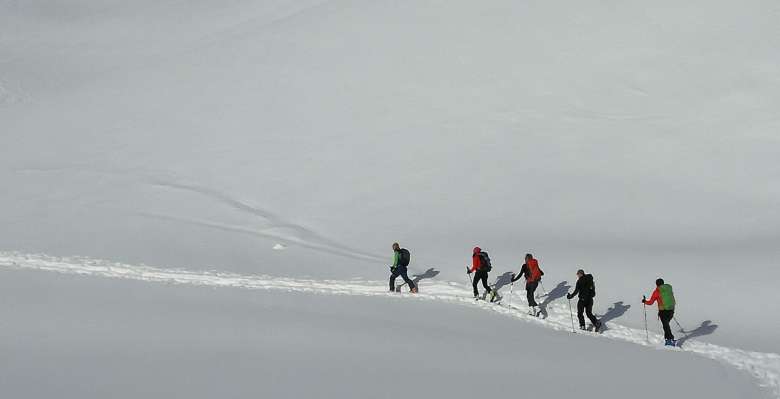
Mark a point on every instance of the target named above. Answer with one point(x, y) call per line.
point(262, 222)
point(285, 233)
point(273, 225)
point(765, 367)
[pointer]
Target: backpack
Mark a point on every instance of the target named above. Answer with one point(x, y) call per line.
point(404, 258)
point(484, 262)
point(535, 272)
point(589, 288)
point(667, 297)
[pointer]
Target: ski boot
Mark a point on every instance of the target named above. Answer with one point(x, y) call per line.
point(492, 296)
point(413, 290)
point(670, 342)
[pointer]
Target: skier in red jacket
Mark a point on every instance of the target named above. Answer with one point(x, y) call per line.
point(664, 295)
point(533, 275)
point(480, 266)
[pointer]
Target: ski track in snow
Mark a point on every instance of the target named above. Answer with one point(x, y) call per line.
point(765, 367)
point(265, 223)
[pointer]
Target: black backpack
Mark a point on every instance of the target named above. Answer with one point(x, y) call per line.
point(590, 286)
point(405, 257)
point(485, 262)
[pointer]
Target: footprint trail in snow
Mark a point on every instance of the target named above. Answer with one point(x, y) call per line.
point(765, 367)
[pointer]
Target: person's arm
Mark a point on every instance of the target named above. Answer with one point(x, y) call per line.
point(474, 263)
point(656, 295)
point(523, 271)
point(396, 258)
point(576, 290)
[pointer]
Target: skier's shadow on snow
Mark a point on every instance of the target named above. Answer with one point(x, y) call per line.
point(618, 309)
point(706, 328)
point(559, 291)
point(430, 273)
point(503, 280)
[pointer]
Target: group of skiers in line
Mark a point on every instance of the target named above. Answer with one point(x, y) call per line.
point(584, 290)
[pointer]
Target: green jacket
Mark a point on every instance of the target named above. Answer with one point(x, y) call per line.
point(396, 259)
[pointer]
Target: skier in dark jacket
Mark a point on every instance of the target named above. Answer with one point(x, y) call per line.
point(533, 275)
point(480, 266)
point(586, 289)
point(665, 296)
point(401, 258)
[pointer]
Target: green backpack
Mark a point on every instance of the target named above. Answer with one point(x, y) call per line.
point(667, 297)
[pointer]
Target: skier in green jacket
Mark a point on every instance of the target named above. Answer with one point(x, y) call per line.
point(401, 258)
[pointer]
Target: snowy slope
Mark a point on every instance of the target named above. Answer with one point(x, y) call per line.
point(126, 340)
point(634, 140)
point(765, 367)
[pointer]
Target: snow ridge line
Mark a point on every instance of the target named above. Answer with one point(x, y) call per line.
point(765, 367)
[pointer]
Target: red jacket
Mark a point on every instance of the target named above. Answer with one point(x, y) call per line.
point(476, 262)
point(655, 296)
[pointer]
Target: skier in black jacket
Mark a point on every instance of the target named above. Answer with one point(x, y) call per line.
point(586, 289)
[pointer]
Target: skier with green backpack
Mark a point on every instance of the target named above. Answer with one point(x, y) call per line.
point(664, 295)
point(401, 259)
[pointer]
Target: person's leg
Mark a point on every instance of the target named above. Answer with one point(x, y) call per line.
point(666, 317)
point(589, 311)
point(667, 329)
point(485, 282)
point(580, 309)
point(530, 288)
point(475, 282)
point(393, 276)
point(481, 278)
point(406, 278)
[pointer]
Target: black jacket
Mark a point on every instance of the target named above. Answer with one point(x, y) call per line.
point(585, 288)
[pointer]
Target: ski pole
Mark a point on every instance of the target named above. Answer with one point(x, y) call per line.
point(571, 314)
point(511, 287)
point(644, 305)
point(682, 330)
point(543, 290)
point(471, 282)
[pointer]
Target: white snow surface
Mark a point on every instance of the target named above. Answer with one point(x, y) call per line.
point(765, 367)
point(634, 140)
point(89, 337)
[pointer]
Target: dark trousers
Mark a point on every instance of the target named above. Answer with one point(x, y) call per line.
point(530, 288)
point(480, 275)
point(400, 271)
point(666, 316)
point(586, 306)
